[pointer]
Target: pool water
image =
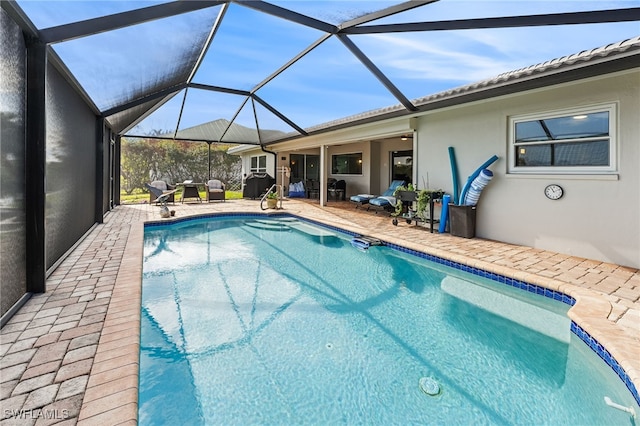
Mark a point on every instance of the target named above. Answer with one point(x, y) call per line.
point(275, 321)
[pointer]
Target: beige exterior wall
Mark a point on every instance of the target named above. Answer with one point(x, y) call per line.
point(599, 215)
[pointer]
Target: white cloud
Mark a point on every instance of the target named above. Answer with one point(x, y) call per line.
point(472, 55)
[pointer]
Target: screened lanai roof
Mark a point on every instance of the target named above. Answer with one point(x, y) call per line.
point(256, 72)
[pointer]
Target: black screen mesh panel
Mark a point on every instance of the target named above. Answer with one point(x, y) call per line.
point(71, 167)
point(119, 69)
point(12, 155)
point(124, 119)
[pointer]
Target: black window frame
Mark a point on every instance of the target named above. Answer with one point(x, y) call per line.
point(348, 163)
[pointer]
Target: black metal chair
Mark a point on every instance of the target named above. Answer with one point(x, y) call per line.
point(336, 189)
point(312, 188)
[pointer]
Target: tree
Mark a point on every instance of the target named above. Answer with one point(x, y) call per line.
point(136, 164)
point(144, 160)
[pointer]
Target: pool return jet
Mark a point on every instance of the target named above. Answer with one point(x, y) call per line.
point(612, 404)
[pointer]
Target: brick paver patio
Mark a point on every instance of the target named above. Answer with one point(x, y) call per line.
point(70, 355)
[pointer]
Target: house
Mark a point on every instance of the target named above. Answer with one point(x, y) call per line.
point(572, 121)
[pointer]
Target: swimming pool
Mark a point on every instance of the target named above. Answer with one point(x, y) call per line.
point(255, 320)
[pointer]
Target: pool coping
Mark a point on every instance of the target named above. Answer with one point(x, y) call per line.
point(111, 395)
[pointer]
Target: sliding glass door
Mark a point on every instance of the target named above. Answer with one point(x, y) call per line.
point(304, 167)
point(402, 165)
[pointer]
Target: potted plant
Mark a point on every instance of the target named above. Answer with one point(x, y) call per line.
point(405, 196)
point(272, 200)
point(423, 199)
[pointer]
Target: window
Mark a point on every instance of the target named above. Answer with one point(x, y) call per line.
point(258, 164)
point(578, 141)
point(346, 164)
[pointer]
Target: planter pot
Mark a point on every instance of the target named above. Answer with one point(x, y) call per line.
point(272, 203)
point(407, 195)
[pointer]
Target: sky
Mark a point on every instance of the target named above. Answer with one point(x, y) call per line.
point(328, 83)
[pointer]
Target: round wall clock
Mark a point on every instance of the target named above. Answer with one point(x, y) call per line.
point(553, 192)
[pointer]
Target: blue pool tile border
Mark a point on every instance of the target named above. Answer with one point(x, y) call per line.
point(511, 282)
point(589, 340)
point(604, 354)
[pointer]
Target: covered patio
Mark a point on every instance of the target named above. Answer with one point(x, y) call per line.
point(74, 350)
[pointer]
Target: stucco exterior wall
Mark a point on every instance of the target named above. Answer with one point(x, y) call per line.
point(356, 184)
point(599, 215)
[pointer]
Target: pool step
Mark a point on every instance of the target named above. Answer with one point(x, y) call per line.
point(284, 224)
point(311, 230)
point(271, 222)
point(552, 324)
point(267, 225)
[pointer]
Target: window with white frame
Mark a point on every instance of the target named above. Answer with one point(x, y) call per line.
point(258, 164)
point(571, 141)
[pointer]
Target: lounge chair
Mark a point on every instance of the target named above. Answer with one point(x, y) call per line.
point(215, 190)
point(362, 199)
point(164, 188)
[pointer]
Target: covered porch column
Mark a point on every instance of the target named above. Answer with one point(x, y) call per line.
point(323, 175)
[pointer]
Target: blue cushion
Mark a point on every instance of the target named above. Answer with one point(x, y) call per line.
point(362, 198)
point(380, 202)
point(392, 188)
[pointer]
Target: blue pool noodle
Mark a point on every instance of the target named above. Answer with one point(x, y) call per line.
point(475, 174)
point(454, 174)
point(444, 213)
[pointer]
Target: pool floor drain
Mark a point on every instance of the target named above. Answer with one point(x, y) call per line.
point(429, 386)
point(329, 346)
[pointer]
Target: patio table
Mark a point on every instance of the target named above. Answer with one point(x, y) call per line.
point(189, 190)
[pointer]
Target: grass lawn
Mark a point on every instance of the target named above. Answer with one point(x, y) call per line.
point(140, 197)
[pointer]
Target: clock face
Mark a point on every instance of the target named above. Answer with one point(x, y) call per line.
point(553, 192)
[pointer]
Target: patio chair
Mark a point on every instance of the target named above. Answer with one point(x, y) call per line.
point(337, 189)
point(312, 188)
point(164, 187)
point(215, 190)
point(362, 199)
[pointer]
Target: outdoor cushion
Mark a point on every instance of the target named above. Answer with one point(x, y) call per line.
point(383, 201)
point(366, 198)
point(214, 184)
point(362, 198)
point(296, 190)
point(160, 184)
